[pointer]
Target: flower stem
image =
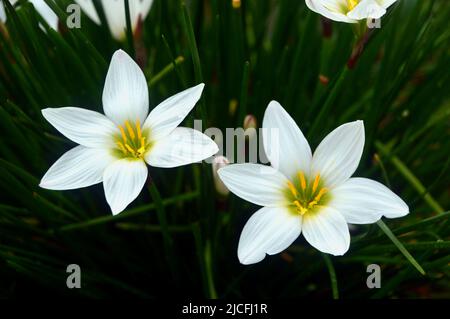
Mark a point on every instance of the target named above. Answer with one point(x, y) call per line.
point(161, 74)
point(331, 97)
point(129, 28)
point(161, 213)
point(400, 246)
point(409, 176)
point(333, 278)
point(187, 23)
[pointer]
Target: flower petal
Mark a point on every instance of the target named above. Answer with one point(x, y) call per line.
point(327, 231)
point(331, 9)
point(165, 117)
point(125, 95)
point(183, 146)
point(268, 231)
point(2, 13)
point(82, 126)
point(256, 183)
point(44, 10)
point(386, 3)
point(123, 181)
point(367, 9)
point(284, 143)
point(77, 168)
point(338, 155)
point(89, 9)
point(364, 201)
point(115, 15)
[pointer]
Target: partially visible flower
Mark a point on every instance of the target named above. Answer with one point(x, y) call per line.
point(218, 163)
point(2, 13)
point(250, 122)
point(250, 125)
point(307, 193)
point(115, 148)
point(350, 11)
point(115, 14)
point(41, 7)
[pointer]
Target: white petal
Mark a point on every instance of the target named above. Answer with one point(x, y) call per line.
point(327, 231)
point(89, 9)
point(364, 201)
point(123, 181)
point(79, 167)
point(256, 183)
point(338, 155)
point(2, 13)
point(82, 126)
point(181, 147)
point(367, 9)
point(284, 143)
point(331, 9)
point(44, 10)
point(165, 117)
point(125, 95)
point(386, 3)
point(115, 14)
point(269, 231)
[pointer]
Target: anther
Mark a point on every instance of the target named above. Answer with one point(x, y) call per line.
point(292, 188)
point(316, 183)
point(301, 176)
point(130, 130)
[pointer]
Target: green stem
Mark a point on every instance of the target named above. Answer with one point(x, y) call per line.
point(244, 93)
point(333, 278)
point(128, 213)
point(129, 28)
point(209, 273)
point(400, 246)
point(324, 110)
point(161, 74)
point(187, 23)
point(409, 176)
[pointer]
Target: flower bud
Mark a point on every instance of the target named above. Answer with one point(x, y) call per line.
point(219, 162)
point(250, 124)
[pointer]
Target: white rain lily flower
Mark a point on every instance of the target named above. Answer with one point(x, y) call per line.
point(302, 192)
point(115, 147)
point(115, 14)
point(350, 11)
point(41, 7)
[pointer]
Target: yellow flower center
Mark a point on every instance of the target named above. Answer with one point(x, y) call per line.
point(131, 141)
point(351, 4)
point(305, 196)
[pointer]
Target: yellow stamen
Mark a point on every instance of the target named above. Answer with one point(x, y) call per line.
point(351, 4)
point(312, 204)
point(321, 193)
point(129, 148)
point(300, 208)
point(122, 148)
point(138, 128)
point(292, 188)
point(301, 176)
point(316, 183)
point(122, 132)
point(130, 130)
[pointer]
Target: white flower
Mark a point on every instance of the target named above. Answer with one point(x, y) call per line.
point(41, 7)
point(350, 11)
point(301, 192)
point(115, 13)
point(114, 148)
